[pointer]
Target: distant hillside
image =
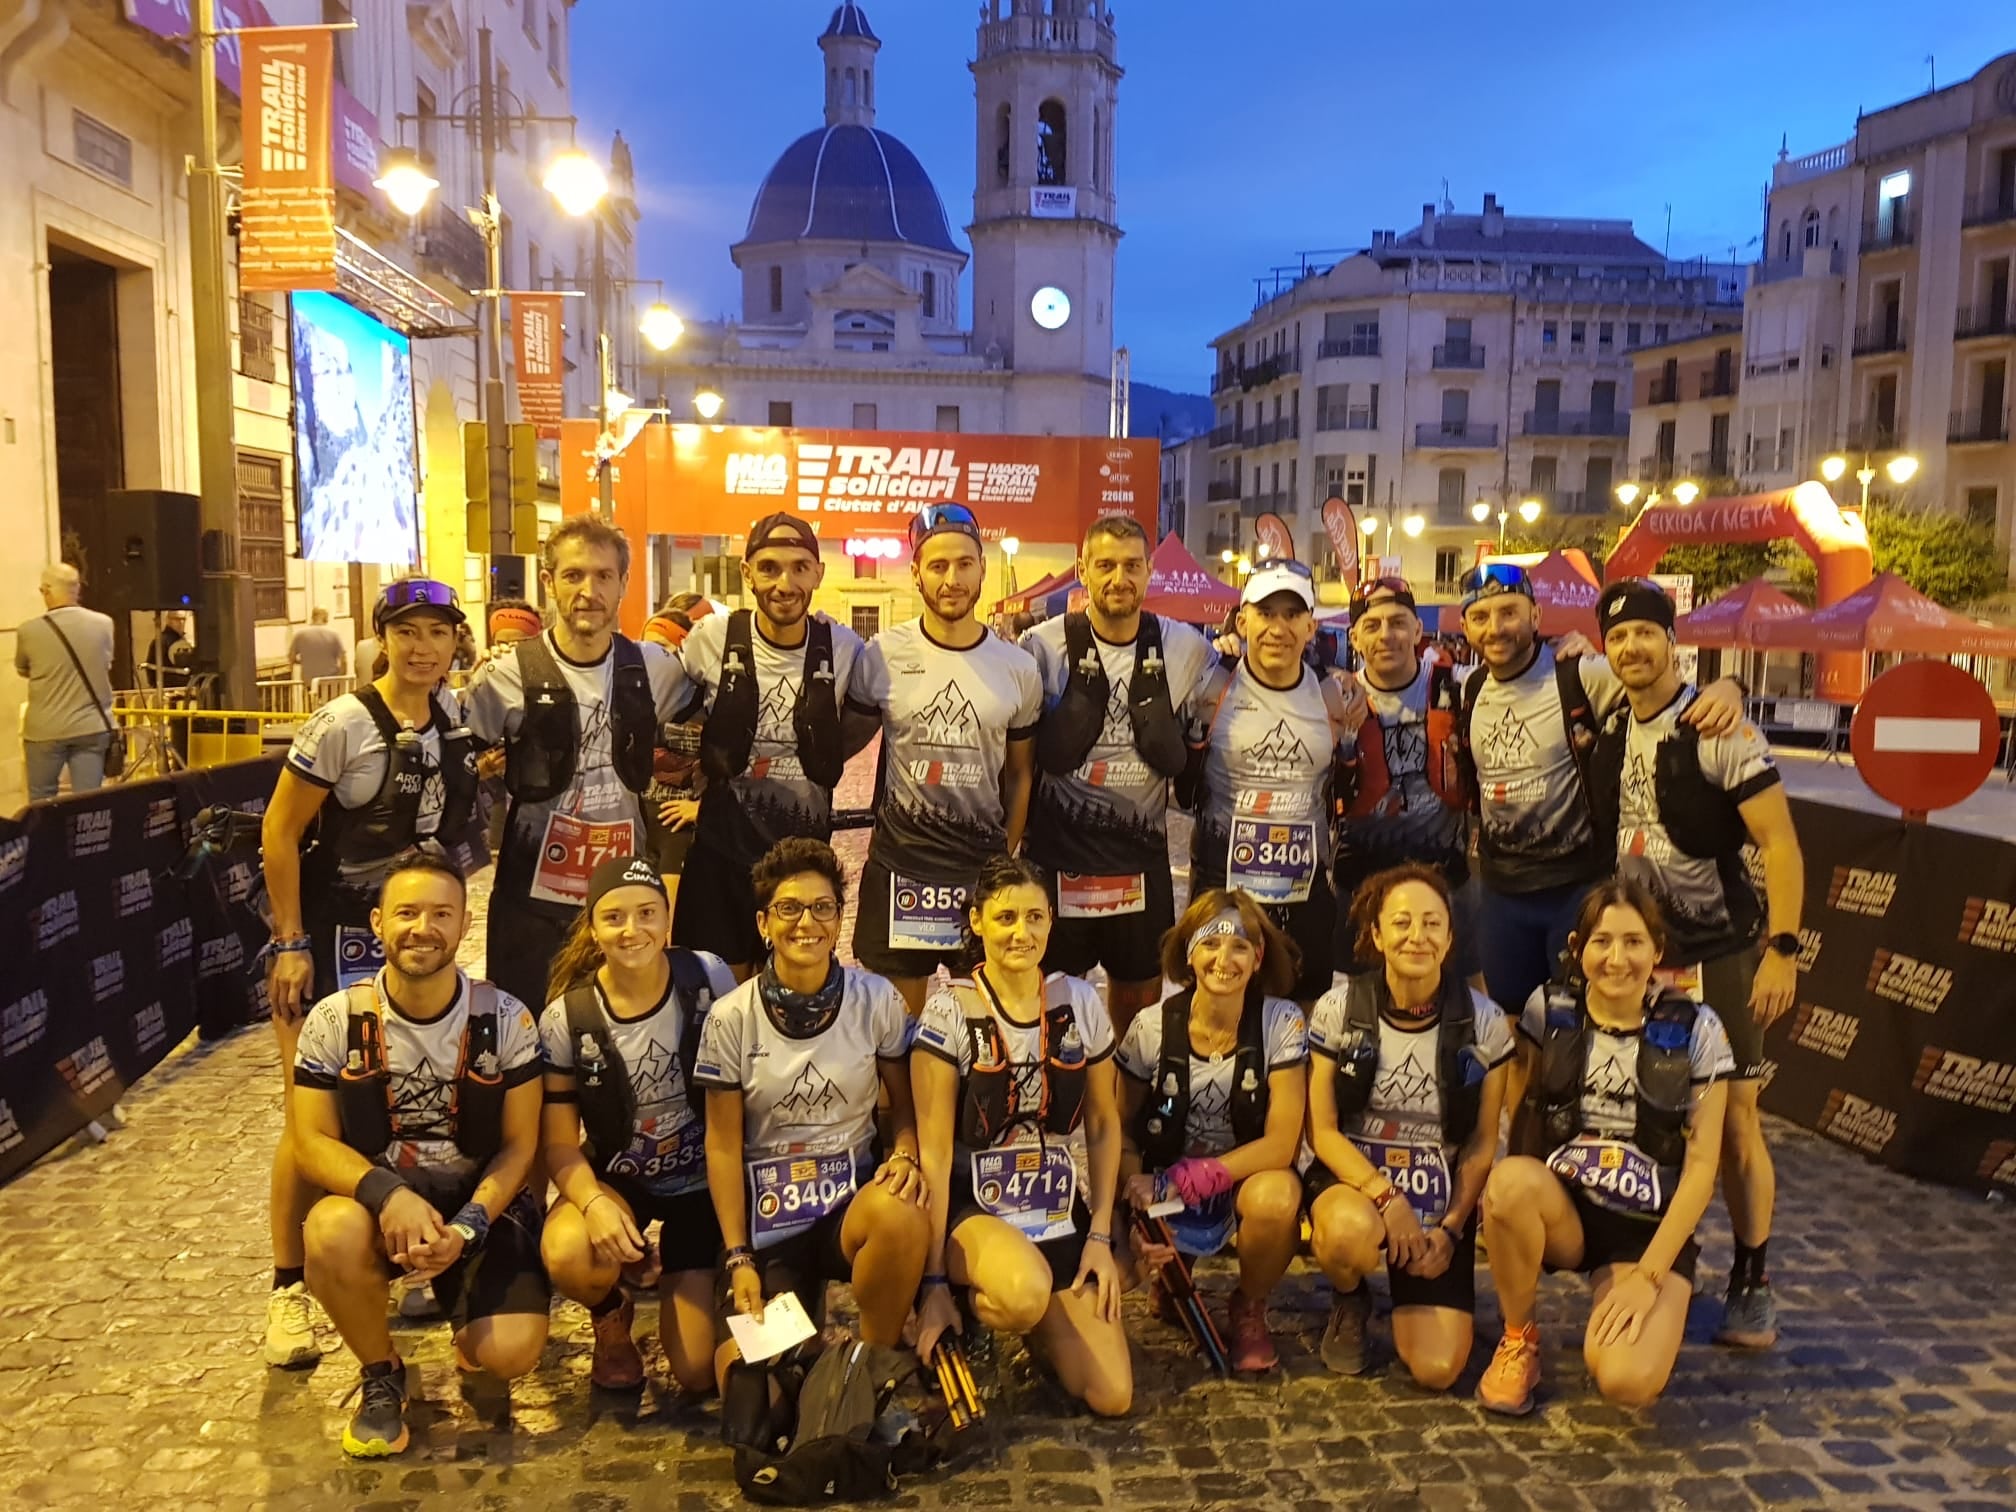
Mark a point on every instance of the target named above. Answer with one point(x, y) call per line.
point(1160, 412)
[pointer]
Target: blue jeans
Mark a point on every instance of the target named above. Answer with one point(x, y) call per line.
point(84, 755)
point(1520, 937)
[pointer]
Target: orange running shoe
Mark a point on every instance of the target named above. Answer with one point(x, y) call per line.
point(1512, 1379)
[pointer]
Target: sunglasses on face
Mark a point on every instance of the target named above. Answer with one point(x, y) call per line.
point(935, 517)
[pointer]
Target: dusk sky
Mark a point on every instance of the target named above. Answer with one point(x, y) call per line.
point(1251, 132)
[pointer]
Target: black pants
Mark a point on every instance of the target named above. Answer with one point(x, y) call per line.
point(523, 939)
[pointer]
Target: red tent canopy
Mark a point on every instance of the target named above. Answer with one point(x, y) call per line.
point(1888, 615)
point(1179, 587)
point(1566, 588)
point(1732, 619)
point(1019, 601)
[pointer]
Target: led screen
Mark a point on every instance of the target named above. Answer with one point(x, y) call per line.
point(356, 480)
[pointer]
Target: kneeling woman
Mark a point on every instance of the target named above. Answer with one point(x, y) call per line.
point(622, 1034)
point(1018, 1113)
point(1213, 1094)
point(1408, 1069)
point(791, 1062)
point(1622, 1125)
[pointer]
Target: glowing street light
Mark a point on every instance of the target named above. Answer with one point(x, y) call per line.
point(1901, 469)
point(708, 404)
point(1227, 556)
point(405, 180)
point(1529, 510)
point(1414, 524)
point(1369, 525)
point(661, 327)
point(577, 181)
point(1627, 494)
point(1245, 565)
point(1832, 468)
point(1686, 491)
point(1481, 511)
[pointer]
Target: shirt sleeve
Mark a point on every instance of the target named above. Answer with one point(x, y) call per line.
point(1495, 1044)
point(1712, 1058)
point(892, 1021)
point(319, 1053)
point(324, 744)
point(847, 650)
point(554, 1038)
point(718, 1062)
point(868, 687)
point(518, 1041)
point(1049, 666)
point(1601, 684)
point(1740, 764)
point(669, 688)
point(1095, 1024)
point(1533, 1017)
point(493, 704)
point(1141, 1047)
point(1029, 682)
point(941, 1029)
point(700, 658)
point(1326, 1024)
point(1287, 1035)
point(1189, 656)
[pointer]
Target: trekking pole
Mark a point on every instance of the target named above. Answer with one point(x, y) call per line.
point(1182, 1289)
point(955, 1383)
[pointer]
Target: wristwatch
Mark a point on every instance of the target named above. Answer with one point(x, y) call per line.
point(1784, 943)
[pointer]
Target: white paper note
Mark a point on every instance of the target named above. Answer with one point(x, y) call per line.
point(784, 1323)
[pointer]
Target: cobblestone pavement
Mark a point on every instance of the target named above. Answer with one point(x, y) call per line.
point(132, 1278)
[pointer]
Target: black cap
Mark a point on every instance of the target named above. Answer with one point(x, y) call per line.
point(1634, 599)
point(623, 871)
point(781, 529)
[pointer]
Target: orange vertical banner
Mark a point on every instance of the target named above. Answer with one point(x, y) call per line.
point(287, 237)
point(535, 335)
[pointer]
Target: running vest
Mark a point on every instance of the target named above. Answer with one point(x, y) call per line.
point(1366, 777)
point(540, 763)
point(602, 1087)
point(729, 734)
point(389, 823)
point(1701, 819)
point(1665, 1075)
point(364, 1087)
point(984, 1090)
point(1164, 1118)
point(1069, 731)
point(1192, 783)
point(1577, 715)
point(1458, 1071)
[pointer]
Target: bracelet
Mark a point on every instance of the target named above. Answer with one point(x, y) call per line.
point(599, 1195)
point(904, 1155)
point(291, 945)
point(1095, 1237)
point(1383, 1197)
point(927, 1282)
point(474, 1217)
point(741, 1254)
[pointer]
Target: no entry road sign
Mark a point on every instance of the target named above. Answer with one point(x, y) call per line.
point(1925, 735)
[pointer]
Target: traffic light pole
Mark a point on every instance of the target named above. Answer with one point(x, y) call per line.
point(496, 413)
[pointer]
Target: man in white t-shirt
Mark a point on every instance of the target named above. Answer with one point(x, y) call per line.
point(66, 656)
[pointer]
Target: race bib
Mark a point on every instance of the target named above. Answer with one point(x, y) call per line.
point(1418, 1171)
point(1202, 1231)
point(1615, 1175)
point(1033, 1189)
point(570, 852)
point(1685, 979)
point(1083, 896)
point(668, 1166)
point(359, 954)
point(926, 915)
point(1273, 863)
point(790, 1193)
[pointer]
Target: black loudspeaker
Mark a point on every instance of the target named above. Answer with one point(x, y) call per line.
point(146, 550)
point(507, 577)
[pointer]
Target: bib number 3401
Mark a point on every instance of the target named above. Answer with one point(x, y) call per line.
point(790, 1193)
point(1419, 1172)
point(1615, 1175)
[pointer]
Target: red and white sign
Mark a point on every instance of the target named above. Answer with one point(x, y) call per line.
point(1343, 528)
point(1271, 531)
point(1925, 735)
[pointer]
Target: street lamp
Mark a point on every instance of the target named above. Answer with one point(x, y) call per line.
point(1481, 511)
point(1627, 494)
point(577, 181)
point(708, 404)
point(1529, 510)
point(1009, 546)
point(661, 327)
point(1225, 556)
point(1413, 525)
point(405, 180)
point(1245, 566)
point(1686, 491)
point(1832, 468)
point(1900, 469)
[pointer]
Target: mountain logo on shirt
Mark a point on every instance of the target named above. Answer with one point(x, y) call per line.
point(810, 1095)
point(423, 1102)
point(1508, 745)
point(773, 716)
point(1405, 1084)
point(1280, 756)
point(948, 720)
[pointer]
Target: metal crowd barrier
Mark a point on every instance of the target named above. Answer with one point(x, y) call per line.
point(162, 737)
point(1810, 722)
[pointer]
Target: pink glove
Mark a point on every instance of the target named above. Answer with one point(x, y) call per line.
point(1197, 1179)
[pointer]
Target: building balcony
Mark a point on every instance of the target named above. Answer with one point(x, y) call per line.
point(1898, 234)
point(1264, 503)
point(1767, 458)
point(449, 246)
point(1468, 355)
point(1225, 435)
point(1349, 346)
point(1991, 207)
point(1270, 432)
point(1664, 391)
point(1977, 427)
point(1221, 491)
point(1718, 385)
point(1877, 435)
point(1713, 464)
point(1217, 542)
point(1657, 468)
point(1582, 501)
point(1348, 417)
point(1270, 370)
point(1981, 322)
point(1576, 423)
point(1455, 435)
point(1879, 336)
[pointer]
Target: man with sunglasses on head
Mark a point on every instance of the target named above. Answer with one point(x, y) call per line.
point(957, 707)
point(577, 709)
point(1264, 736)
point(769, 684)
point(1116, 682)
point(1406, 799)
point(1528, 726)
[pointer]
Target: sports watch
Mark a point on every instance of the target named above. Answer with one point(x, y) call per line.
point(473, 1224)
point(1784, 943)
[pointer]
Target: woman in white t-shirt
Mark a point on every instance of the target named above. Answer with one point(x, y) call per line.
point(1216, 1122)
point(1018, 1120)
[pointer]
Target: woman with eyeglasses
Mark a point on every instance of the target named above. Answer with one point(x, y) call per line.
point(1019, 1119)
point(792, 1061)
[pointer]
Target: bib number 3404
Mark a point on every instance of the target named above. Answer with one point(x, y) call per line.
point(790, 1193)
point(1615, 1175)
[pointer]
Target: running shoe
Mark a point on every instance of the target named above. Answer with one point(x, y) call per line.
point(618, 1364)
point(1512, 1379)
point(1346, 1350)
point(1252, 1346)
point(379, 1426)
point(1750, 1318)
point(290, 1328)
point(417, 1303)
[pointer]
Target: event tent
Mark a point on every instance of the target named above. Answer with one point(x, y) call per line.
point(1887, 615)
point(1732, 619)
point(1566, 588)
point(1180, 588)
point(1038, 593)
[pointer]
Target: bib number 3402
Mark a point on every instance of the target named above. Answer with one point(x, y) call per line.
point(790, 1193)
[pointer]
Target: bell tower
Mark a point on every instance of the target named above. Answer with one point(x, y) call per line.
point(1046, 83)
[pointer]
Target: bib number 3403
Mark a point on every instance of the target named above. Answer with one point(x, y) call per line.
point(790, 1193)
point(1615, 1175)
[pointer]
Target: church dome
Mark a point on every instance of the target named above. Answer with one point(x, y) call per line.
point(849, 183)
point(849, 20)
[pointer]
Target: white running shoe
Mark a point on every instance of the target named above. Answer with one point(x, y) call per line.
point(290, 1328)
point(419, 1302)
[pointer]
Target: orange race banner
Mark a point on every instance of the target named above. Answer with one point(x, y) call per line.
point(536, 336)
point(287, 236)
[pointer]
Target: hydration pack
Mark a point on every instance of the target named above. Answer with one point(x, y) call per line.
point(1071, 727)
point(364, 1087)
point(539, 765)
point(1459, 1070)
point(1665, 1078)
point(985, 1090)
point(1162, 1125)
point(389, 823)
point(602, 1086)
point(729, 735)
point(1701, 819)
point(1366, 779)
point(820, 1435)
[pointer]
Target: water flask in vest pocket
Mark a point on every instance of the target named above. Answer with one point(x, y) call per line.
point(1665, 1076)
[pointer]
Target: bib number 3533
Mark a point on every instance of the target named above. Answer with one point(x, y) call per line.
point(1032, 1189)
point(790, 1193)
point(1615, 1175)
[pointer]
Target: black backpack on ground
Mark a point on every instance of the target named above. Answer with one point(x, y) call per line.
point(818, 1442)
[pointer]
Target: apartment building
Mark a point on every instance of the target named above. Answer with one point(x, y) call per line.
point(1684, 395)
point(1882, 317)
point(1472, 357)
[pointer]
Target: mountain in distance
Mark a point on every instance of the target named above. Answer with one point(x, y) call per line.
point(1158, 412)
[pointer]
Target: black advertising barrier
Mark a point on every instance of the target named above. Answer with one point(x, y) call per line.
point(109, 959)
point(1902, 1043)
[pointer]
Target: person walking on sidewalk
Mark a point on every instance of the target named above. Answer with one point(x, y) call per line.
point(66, 656)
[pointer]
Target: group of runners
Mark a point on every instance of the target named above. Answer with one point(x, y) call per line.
point(1417, 907)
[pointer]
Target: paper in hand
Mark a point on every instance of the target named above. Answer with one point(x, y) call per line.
point(784, 1324)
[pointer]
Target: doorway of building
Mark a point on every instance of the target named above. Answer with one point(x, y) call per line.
point(90, 431)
